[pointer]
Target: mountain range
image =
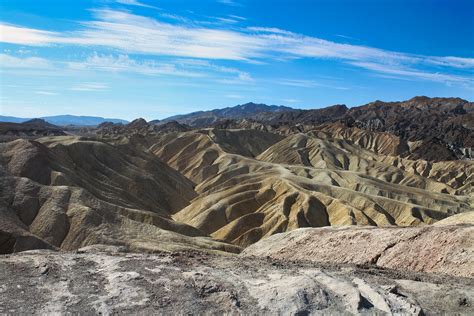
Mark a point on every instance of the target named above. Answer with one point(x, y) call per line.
point(64, 120)
point(241, 111)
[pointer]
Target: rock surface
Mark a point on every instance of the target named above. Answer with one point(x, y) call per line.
point(436, 249)
point(105, 280)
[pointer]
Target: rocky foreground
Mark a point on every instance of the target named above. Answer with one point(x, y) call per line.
point(446, 249)
point(102, 279)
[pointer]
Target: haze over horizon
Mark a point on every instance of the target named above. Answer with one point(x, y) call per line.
point(154, 59)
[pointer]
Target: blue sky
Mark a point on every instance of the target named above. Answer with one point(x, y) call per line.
point(153, 59)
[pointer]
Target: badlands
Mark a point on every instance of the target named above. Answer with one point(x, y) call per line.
point(245, 210)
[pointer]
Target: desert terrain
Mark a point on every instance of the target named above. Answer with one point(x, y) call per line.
point(243, 210)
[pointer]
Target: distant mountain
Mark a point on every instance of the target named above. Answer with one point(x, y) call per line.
point(63, 120)
point(241, 111)
point(12, 119)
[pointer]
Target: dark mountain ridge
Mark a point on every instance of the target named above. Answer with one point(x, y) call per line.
point(435, 128)
point(241, 111)
point(29, 129)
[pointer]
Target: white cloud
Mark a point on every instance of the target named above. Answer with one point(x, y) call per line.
point(450, 61)
point(291, 100)
point(230, 2)
point(90, 86)
point(273, 30)
point(27, 36)
point(123, 63)
point(237, 17)
point(134, 34)
point(8, 61)
point(135, 3)
point(227, 20)
point(347, 37)
point(234, 96)
point(402, 72)
point(205, 65)
point(184, 67)
point(50, 93)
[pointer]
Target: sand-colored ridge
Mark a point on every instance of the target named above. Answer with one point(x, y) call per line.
point(69, 192)
point(305, 180)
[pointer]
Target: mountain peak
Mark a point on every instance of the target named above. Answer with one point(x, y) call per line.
point(240, 111)
point(138, 123)
point(39, 123)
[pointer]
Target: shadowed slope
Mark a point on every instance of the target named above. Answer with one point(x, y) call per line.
point(304, 180)
point(70, 192)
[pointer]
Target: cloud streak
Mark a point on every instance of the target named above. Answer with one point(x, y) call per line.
point(48, 93)
point(136, 3)
point(123, 63)
point(131, 33)
point(8, 61)
point(302, 83)
point(230, 3)
point(90, 86)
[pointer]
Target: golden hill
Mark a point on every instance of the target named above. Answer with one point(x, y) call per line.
point(307, 180)
point(177, 190)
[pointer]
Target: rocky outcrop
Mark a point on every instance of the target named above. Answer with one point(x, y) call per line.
point(31, 129)
point(139, 127)
point(104, 280)
point(445, 249)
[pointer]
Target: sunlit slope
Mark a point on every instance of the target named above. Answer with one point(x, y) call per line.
point(306, 180)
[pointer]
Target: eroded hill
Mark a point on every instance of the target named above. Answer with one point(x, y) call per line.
point(307, 180)
point(69, 192)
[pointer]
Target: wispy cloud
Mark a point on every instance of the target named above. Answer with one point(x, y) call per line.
point(450, 61)
point(90, 86)
point(271, 30)
point(227, 20)
point(403, 72)
point(136, 3)
point(123, 63)
point(27, 36)
point(49, 93)
point(303, 83)
point(291, 100)
point(230, 2)
point(234, 96)
point(8, 61)
point(132, 34)
point(347, 37)
point(237, 17)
